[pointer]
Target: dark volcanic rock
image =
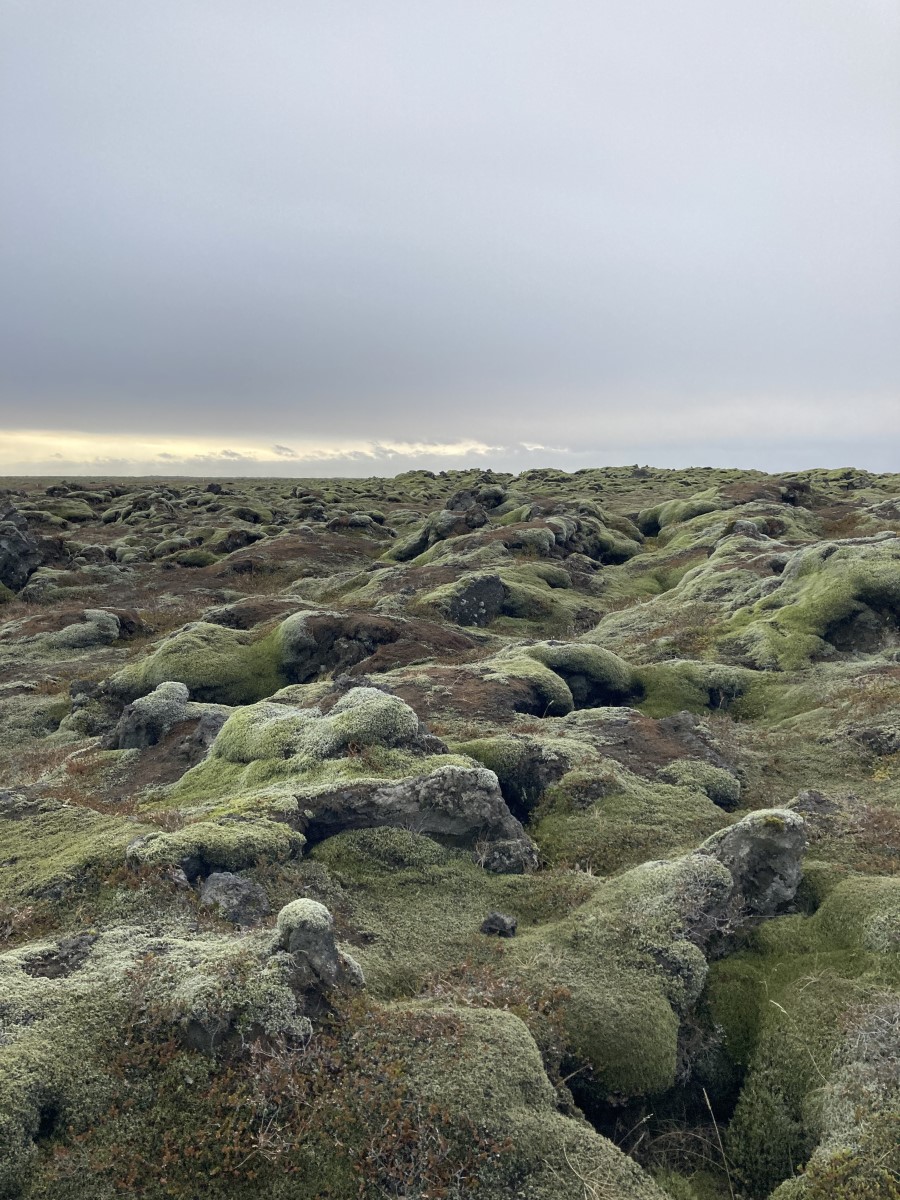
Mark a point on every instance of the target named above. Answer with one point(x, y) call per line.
point(237, 899)
point(764, 855)
point(500, 924)
point(148, 719)
point(20, 551)
point(305, 931)
point(460, 805)
point(478, 602)
point(62, 959)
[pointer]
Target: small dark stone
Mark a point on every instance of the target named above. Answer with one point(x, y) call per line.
point(500, 924)
point(66, 957)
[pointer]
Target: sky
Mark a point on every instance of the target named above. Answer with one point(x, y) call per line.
point(351, 237)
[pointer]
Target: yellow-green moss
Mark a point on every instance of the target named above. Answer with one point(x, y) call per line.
point(49, 847)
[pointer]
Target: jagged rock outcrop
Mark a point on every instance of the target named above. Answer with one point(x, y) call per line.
point(20, 552)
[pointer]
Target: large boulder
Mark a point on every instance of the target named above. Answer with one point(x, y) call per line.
point(763, 853)
point(145, 722)
point(20, 552)
point(364, 763)
point(459, 805)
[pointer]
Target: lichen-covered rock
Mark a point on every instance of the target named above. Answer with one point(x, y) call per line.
point(440, 525)
point(595, 677)
point(764, 855)
point(225, 845)
point(475, 601)
point(461, 805)
point(500, 925)
point(363, 717)
point(235, 898)
point(524, 765)
point(305, 931)
point(99, 628)
point(145, 721)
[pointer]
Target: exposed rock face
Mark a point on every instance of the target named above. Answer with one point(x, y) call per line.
point(867, 631)
point(500, 925)
point(144, 722)
point(236, 899)
point(478, 602)
point(463, 805)
point(62, 959)
point(489, 495)
point(305, 931)
point(20, 552)
point(764, 855)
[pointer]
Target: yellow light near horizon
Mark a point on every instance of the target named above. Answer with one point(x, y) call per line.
point(21, 448)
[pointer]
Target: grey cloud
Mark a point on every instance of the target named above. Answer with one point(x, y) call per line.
point(514, 220)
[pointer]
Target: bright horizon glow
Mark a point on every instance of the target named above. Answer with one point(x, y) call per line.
point(628, 439)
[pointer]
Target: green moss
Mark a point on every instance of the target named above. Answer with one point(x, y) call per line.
point(359, 853)
point(604, 818)
point(618, 1007)
point(698, 1185)
point(192, 558)
point(670, 512)
point(825, 588)
point(621, 1015)
point(524, 764)
point(269, 757)
point(65, 1035)
point(513, 516)
point(719, 785)
point(553, 692)
point(50, 847)
point(369, 717)
point(221, 665)
point(224, 845)
point(70, 509)
point(254, 514)
point(672, 687)
point(266, 730)
point(595, 676)
point(784, 1006)
point(495, 1077)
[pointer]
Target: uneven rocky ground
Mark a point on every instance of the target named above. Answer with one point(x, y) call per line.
point(456, 835)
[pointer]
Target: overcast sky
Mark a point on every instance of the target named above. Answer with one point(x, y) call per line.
point(350, 236)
